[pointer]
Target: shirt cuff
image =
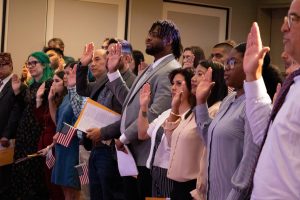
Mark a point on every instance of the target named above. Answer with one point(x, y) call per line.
point(124, 139)
point(113, 76)
point(202, 112)
point(255, 89)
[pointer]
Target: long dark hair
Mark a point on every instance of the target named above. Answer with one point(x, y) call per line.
point(59, 98)
point(220, 90)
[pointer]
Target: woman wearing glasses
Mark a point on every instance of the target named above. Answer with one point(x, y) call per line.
point(231, 151)
point(28, 176)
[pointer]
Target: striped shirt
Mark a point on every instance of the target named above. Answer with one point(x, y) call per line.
point(230, 149)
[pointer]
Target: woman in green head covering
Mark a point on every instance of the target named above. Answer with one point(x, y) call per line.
point(38, 65)
point(28, 177)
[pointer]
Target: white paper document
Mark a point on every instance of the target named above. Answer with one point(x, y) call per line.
point(126, 163)
point(95, 115)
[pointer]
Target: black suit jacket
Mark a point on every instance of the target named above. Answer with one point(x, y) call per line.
point(10, 111)
point(92, 90)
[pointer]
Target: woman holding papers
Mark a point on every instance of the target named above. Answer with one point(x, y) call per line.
point(64, 172)
point(174, 140)
point(28, 176)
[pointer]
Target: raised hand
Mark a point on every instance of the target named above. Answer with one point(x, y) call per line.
point(87, 55)
point(72, 77)
point(254, 55)
point(204, 87)
point(40, 92)
point(16, 84)
point(114, 57)
point(177, 98)
point(51, 94)
point(145, 96)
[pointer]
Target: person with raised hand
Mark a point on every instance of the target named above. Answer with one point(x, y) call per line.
point(229, 177)
point(277, 129)
point(28, 177)
point(64, 173)
point(10, 113)
point(164, 44)
point(105, 180)
point(174, 139)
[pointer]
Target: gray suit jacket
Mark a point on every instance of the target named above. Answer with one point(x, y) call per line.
point(160, 101)
point(92, 90)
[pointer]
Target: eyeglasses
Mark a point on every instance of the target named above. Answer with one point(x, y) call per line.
point(291, 19)
point(230, 63)
point(32, 63)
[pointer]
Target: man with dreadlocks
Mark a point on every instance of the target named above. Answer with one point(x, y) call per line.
point(164, 44)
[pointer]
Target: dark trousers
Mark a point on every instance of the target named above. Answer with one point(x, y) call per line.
point(181, 190)
point(105, 180)
point(138, 189)
point(5, 176)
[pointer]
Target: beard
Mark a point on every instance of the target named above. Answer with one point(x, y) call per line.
point(153, 50)
point(55, 64)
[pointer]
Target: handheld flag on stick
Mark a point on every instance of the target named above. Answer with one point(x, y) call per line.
point(50, 159)
point(66, 134)
point(82, 170)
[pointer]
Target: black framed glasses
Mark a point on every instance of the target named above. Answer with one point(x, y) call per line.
point(32, 63)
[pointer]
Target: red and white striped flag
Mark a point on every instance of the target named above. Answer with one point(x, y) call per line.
point(66, 134)
point(50, 159)
point(82, 170)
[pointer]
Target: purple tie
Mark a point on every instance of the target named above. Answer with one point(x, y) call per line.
point(283, 92)
point(278, 103)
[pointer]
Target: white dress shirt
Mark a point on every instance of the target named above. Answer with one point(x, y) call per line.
point(277, 174)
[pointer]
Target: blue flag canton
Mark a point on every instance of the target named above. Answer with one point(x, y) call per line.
point(65, 129)
point(80, 170)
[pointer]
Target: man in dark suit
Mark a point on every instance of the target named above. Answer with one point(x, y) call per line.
point(105, 180)
point(10, 113)
point(164, 44)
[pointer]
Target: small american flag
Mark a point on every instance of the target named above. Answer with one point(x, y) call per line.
point(82, 170)
point(66, 134)
point(50, 159)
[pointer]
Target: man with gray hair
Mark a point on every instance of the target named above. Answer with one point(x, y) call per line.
point(277, 175)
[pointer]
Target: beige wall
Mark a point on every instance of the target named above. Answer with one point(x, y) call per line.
point(85, 24)
point(144, 12)
point(27, 20)
point(26, 29)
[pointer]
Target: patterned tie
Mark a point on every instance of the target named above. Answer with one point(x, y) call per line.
point(1, 82)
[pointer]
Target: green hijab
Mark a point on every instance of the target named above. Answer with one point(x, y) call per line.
point(45, 61)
